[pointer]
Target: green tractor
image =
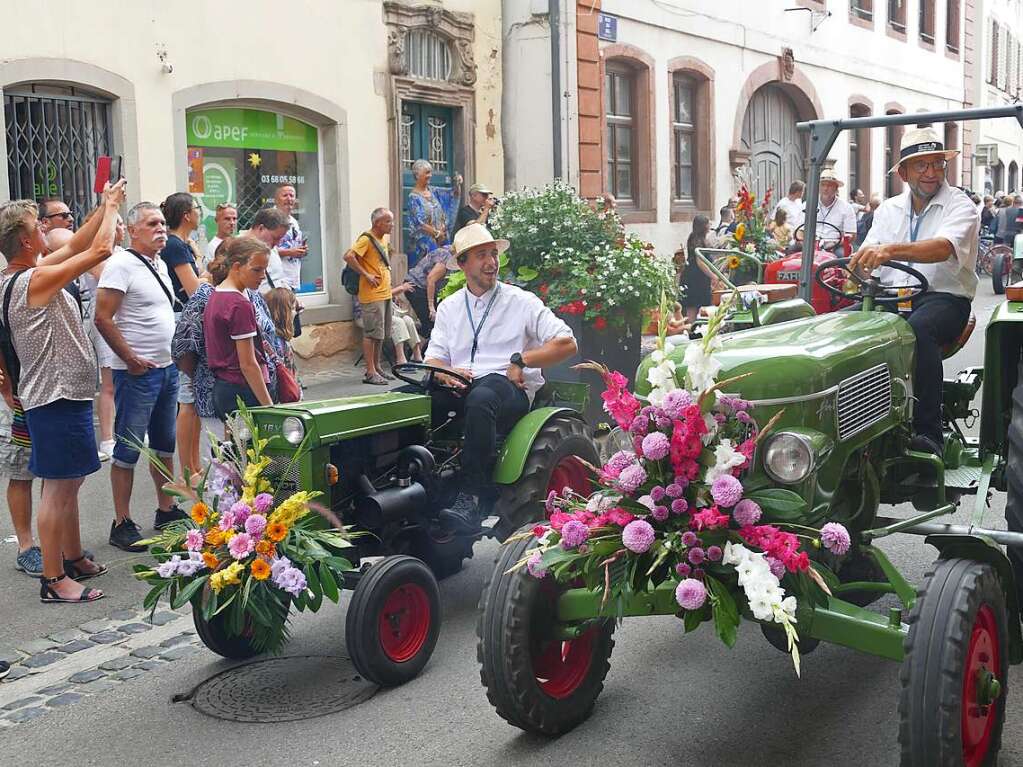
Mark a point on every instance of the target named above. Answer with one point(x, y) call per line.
point(386, 471)
point(841, 386)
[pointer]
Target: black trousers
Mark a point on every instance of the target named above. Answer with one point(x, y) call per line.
point(226, 394)
point(417, 298)
point(493, 406)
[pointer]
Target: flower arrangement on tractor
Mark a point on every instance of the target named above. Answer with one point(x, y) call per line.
point(751, 239)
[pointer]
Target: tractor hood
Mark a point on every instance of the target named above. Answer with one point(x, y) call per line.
point(806, 357)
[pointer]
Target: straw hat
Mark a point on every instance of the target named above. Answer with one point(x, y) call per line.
point(829, 175)
point(474, 235)
point(921, 142)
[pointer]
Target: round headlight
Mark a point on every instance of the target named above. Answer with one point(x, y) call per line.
point(293, 430)
point(788, 458)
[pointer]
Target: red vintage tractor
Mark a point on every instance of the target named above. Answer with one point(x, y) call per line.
point(786, 270)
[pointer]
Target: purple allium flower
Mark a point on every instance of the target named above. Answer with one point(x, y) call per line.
point(549, 505)
point(674, 490)
point(835, 538)
point(696, 555)
point(638, 536)
point(698, 573)
point(261, 503)
point(675, 402)
point(714, 553)
point(689, 538)
point(746, 513)
point(241, 512)
point(640, 426)
point(679, 506)
point(241, 546)
point(777, 567)
point(648, 410)
point(632, 477)
point(743, 417)
point(193, 539)
point(656, 446)
point(690, 594)
point(573, 534)
point(720, 418)
point(226, 521)
point(619, 461)
point(657, 493)
point(535, 565)
point(726, 491)
point(255, 525)
point(683, 569)
point(660, 513)
point(663, 422)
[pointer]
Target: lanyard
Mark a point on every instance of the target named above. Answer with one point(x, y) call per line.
point(914, 231)
point(477, 328)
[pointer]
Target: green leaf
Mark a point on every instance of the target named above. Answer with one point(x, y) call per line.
point(313, 581)
point(246, 590)
point(692, 619)
point(780, 504)
point(210, 602)
point(186, 593)
point(330, 590)
point(725, 611)
point(153, 597)
point(527, 274)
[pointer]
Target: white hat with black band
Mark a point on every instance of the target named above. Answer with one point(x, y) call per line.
point(921, 142)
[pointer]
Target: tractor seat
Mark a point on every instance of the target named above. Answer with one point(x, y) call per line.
point(949, 349)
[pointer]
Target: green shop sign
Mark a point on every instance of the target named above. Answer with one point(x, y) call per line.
point(249, 129)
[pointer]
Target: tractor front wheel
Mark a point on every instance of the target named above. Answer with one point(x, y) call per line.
point(535, 678)
point(956, 669)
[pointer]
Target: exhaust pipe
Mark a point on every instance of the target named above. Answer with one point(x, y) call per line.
point(1004, 537)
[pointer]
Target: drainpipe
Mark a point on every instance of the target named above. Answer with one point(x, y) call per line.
point(554, 15)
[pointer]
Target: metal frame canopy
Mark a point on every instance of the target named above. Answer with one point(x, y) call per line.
point(822, 137)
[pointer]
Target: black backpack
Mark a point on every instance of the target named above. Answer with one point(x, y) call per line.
point(11, 362)
point(350, 278)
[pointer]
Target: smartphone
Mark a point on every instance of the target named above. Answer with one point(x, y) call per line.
point(102, 173)
point(115, 171)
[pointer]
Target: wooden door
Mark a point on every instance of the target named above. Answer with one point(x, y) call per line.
point(426, 133)
point(777, 150)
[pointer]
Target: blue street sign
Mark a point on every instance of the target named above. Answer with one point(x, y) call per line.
point(607, 27)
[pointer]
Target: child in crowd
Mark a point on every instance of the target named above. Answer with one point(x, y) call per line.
point(283, 307)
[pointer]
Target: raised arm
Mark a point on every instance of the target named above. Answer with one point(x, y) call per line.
point(85, 236)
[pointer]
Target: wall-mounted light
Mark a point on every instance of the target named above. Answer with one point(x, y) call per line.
point(161, 54)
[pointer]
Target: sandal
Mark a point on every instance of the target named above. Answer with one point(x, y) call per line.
point(47, 594)
point(75, 573)
point(376, 380)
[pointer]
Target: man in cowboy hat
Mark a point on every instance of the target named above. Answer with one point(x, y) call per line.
point(497, 336)
point(934, 227)
point(833, 210)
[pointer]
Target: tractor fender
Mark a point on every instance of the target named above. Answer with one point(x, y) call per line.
point(981, 549)
point(511, 459)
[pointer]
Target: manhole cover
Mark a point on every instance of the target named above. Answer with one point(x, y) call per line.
point(284, 689)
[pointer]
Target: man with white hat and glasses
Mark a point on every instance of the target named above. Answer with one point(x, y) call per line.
point(499, 337)
point(934, 227)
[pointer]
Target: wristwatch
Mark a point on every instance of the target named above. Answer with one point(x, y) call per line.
point(516, 359)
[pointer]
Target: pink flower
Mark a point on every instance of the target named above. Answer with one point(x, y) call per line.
point(709, 519)
point(746, 513)
point(656, 446)
point(657, 493)
point(691, 594)
point(835, 538)
point(638, 536)
point(255, 525)
point(540, 530)
point(573, 534)
point(535, 565)
point(683, 569)
point(726, 491)
point(549, 505)
point(631, 478)
point(619, 516)
point(660, 513)
point(226, 521)
point(714, 553)
point(193, 539)
point(241, 546)
point(689, 538)
point(675, 402)
point(696, 555)
point(241, 512)
point(674, 490)
point(558, 520)
point(679, 506)
point(261, 503)
point(617, 463)
point(777, 567)
point(639, 426)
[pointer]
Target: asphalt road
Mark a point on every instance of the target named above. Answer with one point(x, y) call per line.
point(668, 699)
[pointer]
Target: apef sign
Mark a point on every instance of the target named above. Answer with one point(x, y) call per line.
point(607, 27)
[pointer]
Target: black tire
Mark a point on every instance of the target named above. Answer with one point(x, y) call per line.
point(998, 273)
point(513, 612)
point(1014, 483)
point(442, 552)
point(215, 636)
point(959, 597)
point(393, 659)
point(522, 502)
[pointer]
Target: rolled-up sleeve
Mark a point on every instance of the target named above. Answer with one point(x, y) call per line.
point(961, 226)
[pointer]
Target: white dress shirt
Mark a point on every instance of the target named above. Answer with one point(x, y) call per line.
point(518, 321)
point(840, 213)
point(950, 215)
point(793, 211)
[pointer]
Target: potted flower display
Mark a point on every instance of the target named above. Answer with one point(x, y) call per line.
point(751, 237)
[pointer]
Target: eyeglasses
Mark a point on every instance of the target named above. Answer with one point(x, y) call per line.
point(919, 166)
point(68, 215)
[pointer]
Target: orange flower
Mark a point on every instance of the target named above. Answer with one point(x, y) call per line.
point(276, 532)
point(266, 548)
point(740, 232)
point(200, 513)
point(209, 560)
point(260, 569)
point(214, 537)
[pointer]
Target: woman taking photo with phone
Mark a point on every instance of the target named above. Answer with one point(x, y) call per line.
point(234, 351)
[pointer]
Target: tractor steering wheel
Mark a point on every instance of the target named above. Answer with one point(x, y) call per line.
point(428, 377)
point(797, 235)
point(871, 286)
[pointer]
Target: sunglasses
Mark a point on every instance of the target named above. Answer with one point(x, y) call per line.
point(67, 215)
point(224, 205)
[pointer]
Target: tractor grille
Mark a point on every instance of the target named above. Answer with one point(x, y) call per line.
point(283, 480)
point(863, 400)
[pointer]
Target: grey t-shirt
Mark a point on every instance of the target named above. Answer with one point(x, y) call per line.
point(146, 317)
point(57, 360)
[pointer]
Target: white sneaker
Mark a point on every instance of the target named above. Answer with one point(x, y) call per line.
point(106, 449)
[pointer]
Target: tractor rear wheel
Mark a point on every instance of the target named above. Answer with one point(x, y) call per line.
point(535, 679)
point(955, 672)
point(552, 464)
point(442, 551)
point(1001, 263)
point(1014, 482)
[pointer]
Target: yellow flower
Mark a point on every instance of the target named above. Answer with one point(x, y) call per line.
point(733, 262)
point(293, 509)
point(229, 576)
point(200, 513)
point(227, 535)
point(740, 232)
point(276, 532)
point(260, 569)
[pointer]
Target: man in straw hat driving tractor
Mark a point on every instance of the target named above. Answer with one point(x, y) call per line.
point(934, 227)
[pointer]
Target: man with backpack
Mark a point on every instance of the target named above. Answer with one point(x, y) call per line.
point(368, 258)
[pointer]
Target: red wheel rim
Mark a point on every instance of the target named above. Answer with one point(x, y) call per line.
point(568, 472)
point(981, 696)
point(405, 622)
point(560, 666)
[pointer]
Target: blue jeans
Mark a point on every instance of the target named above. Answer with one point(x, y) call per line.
point(146, 403)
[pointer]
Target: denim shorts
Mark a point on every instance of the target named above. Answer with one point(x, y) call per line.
point(186, 396)
point(144, 404)
point(63, 440)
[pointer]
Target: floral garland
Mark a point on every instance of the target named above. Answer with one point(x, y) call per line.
point(675, 507)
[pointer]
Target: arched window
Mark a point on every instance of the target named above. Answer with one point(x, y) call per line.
point(628, 135)
point(427, 55)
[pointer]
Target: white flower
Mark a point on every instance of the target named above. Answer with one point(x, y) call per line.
point(599, 503)
point(701, 367)
point(726, 458)
point(647, 501)
point(734, 553)
point(762, 608)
